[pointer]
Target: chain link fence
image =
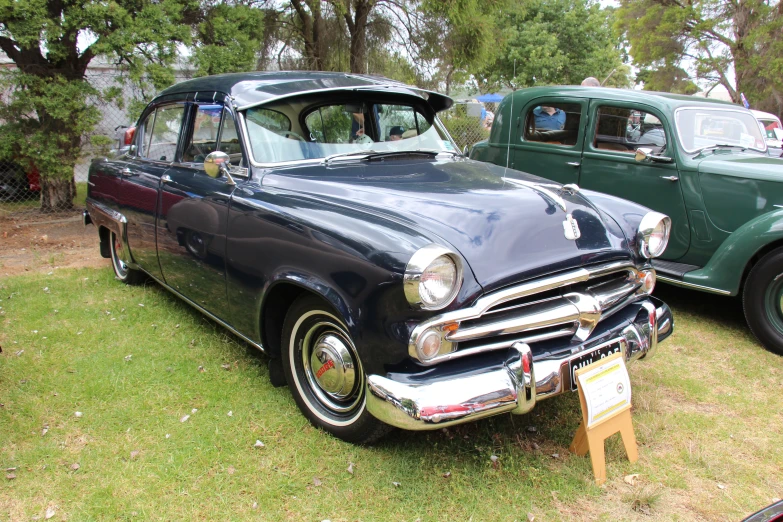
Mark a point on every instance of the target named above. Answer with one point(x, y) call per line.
point(20, 184)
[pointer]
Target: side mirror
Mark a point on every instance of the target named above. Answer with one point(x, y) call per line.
point(217, 163)
point(644, 153)
point(466, 151)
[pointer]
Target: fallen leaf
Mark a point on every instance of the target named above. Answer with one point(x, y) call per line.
point(168, 435)
point(255, 505)
point(176, 326)
point(534, 446)
point(447, 474)
point(316, 482)
point(141, 305)
point(128, 357)
point(631, 479)
point(50, 511)
point(226, 367)
point(19, 353)
point(75, 466)
point(493, 458)
point(78, 414)
point(231, 470)
point(350, 468)
point(230, 413)
point(555, 455)
point(9, 470)
point(721, 486)
point(530, 517)
point(134, 454)
point(194, 410)
point(201, 369)
point(185, 418)
point(44, 430)
point(258, 444)
point(396, 484)
point(11, 476)
point(532, 429)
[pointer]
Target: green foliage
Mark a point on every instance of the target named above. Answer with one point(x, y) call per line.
point(668, 78)
point(229, 38)
point(46, 119)
point(735, 44)
point(554, 42)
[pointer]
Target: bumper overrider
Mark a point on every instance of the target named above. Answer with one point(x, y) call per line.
point(510, 381)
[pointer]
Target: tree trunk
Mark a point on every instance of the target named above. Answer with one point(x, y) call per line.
point(358, 29)
point(57, 194)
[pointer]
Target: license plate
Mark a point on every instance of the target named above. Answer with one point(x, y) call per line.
point(590, 357)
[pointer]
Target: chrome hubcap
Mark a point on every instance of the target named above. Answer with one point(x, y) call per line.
point(122, 268)
point(331, 367)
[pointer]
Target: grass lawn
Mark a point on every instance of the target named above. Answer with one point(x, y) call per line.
point(708, 414)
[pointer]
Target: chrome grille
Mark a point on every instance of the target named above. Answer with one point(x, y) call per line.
point(569, 305)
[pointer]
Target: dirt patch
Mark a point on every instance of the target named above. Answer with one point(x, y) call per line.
point(40, 243)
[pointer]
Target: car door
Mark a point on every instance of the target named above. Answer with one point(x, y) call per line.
point(156, 145)
point(616, 131)
point(548, 138)
point(193, 212)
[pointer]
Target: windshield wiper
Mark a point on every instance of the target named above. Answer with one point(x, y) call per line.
point(721, 146)
point(369, 153)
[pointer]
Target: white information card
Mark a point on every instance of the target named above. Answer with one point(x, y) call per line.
point(606, 388)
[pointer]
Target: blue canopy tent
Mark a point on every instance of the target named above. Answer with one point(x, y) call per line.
point(490, 98)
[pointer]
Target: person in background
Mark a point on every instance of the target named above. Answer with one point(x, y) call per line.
point(549, 118)
point(395, 133)
point(591, 82)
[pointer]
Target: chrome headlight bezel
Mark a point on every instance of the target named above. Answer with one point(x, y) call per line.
point(648, 224)
point(419, 262)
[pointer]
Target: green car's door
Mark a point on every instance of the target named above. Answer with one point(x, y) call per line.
point(547, 138)
point(616, 130)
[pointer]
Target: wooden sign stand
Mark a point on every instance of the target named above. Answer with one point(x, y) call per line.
point(590, 438)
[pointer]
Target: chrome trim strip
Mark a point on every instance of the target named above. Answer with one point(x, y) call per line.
point(694, 286)
point(209, 314)
point(580, 308)
point(555, 199)
point(103, 216)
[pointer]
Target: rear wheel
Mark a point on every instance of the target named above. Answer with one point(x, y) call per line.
point(123, 272)
point(324, 372)
point(762, 300)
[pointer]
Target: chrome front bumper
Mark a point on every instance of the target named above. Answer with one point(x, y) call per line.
point(513, 386)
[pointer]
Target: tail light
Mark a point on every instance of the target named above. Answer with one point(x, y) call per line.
point(130, 133)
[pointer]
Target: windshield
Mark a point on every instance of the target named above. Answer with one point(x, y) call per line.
point(769, 127)
point(282, 134)
point(700, 128)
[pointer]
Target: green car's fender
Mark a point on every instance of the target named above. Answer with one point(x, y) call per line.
point(727, 267)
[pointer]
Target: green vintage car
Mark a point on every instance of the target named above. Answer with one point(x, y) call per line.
point(703, 163)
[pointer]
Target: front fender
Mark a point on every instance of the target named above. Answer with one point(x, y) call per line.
point(726, 268)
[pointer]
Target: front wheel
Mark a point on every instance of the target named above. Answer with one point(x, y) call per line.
point(762, 300)
point(324, 373)
point(124, 273)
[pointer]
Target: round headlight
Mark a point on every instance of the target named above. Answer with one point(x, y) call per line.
point(432, 278)
point(653, 235)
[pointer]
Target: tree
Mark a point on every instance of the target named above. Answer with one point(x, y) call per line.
point(668, 78)
point(554, 42)
point(734, 43)
point(46, 109)
point(228, 39)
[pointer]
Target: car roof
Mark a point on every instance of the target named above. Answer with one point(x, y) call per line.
point(255, 88)
point(608, 93)
point(765, 115)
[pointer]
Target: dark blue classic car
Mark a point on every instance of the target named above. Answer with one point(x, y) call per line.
point(329, 220)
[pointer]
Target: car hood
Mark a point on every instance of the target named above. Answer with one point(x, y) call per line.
point(745, 165)
point(501, 221)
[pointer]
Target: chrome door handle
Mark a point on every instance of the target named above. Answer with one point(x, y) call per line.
point(165, 178)
point(670, 178)
point(573, 163)
point(126, 172)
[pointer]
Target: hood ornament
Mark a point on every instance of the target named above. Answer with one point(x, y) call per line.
point(570, 226)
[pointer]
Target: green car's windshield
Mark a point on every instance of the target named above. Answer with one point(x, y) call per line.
point(281, 134)
point(700, 128)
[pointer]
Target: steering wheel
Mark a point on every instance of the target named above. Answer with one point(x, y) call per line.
point(288, 134)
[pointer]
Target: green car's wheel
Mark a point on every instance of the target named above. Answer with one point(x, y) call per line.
point(124, 273)
point(763, 301)
point(324, 372)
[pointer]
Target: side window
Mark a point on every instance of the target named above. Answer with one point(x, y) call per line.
point(625, 130)
point(229, 139)
point(165, 133)
point(400, 122)
point(146, 134)
point(553, 123)
point(336, 124)
point(204, 135)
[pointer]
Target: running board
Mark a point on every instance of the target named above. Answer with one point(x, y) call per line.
point(672, 269)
